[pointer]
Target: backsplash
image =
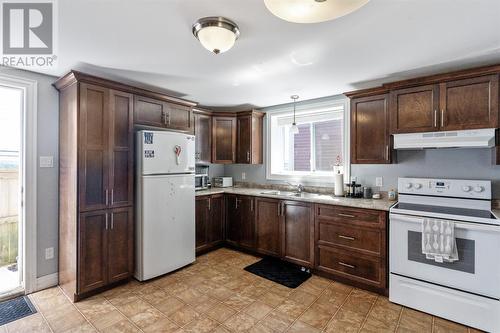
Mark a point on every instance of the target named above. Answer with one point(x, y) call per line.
point(434, 163)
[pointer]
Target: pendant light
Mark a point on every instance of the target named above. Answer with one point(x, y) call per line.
point(294, 129)
point(216, 34)
point(312, 11)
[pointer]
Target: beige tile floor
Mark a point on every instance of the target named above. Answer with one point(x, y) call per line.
point(216, 295)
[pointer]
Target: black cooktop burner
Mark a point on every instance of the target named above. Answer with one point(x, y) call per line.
point(485, 214)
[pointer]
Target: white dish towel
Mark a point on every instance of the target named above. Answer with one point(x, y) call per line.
point(438, 240)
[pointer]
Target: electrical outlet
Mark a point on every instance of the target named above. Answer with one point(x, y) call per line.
point(49, 253)
point(243, 175)
point(46, 161)
point(379, 181)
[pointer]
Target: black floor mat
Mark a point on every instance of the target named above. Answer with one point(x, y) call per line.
point(15, 308)
point(279, 271)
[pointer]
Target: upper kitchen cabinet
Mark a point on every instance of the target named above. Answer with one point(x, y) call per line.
point(223, 139)
point(415, 109)
point(370, 139)
point(249, 137)
point(158, 113)
point(469, 103)
point(203, 133)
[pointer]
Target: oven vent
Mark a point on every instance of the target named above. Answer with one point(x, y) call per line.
point(480, 138)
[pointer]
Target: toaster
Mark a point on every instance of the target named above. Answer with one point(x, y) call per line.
point(223, 181)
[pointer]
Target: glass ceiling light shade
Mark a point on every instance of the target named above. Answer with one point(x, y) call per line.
point(312, 11)
point(294, 129)
point(216, 34)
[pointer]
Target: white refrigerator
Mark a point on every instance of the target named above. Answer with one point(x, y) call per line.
point(165, 203)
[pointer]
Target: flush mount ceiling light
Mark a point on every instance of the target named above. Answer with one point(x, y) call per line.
point(216, 34)
point(312, 11)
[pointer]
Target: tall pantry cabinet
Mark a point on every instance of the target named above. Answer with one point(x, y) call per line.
point(96, 185)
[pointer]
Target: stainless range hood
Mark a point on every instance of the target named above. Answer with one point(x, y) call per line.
point(480, 138)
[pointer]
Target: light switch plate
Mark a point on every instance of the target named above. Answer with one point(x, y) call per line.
point(379, 181)
point(46, 161)
point(243, 175)
point(49, 253)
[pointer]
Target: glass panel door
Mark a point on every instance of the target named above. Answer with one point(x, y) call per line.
point(11, 103)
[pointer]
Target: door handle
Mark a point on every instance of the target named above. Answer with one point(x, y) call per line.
point(346, 237)
point(209, 203)
point(163, 117)
point(279, 208)
point(346, 215)
point(248, 156)
point(387, 152)
point(346, 265)
point(251, 205)
point(112, 221)
point(112, 196)
point(236, 203)
point(442, 117)
point(435, 118)
point(282, 209)
point(167, 118)
point(106, 193)
point(106, 221)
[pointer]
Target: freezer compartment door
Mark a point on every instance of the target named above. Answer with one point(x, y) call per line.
point(161, 152)
point(166, 239)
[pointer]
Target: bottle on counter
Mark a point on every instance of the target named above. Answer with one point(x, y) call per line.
point(391, 195)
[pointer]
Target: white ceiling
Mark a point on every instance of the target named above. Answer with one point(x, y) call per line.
point(149, 42)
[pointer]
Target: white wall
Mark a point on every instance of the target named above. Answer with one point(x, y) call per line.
point(47, 178)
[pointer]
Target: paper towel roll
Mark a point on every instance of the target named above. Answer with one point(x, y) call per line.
point(339, 185)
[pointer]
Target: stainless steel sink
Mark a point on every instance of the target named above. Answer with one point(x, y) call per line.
point(272, 192)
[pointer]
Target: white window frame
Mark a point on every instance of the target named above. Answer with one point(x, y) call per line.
point(307, 177)
point(28, 185)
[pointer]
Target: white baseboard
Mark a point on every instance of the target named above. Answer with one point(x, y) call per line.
point(47, 281)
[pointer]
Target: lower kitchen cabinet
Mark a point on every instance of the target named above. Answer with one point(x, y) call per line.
point(351, 246)
point(209, 222)
point(298, 232)
point(105, 248)
point(240, 220)
point(268, 226)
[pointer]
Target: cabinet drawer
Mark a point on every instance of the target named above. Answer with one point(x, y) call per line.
point(349, 265)
point(366, 240)
point(352, 216)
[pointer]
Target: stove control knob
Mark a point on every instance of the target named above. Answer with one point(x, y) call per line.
point(466, 188)
point(408, 185)
point(478, 189)
point(418, 186)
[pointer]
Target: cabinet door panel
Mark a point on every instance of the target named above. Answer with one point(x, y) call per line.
point(268, 236)
point(216, 227)
point(232, 219)
point(120, 244)
point(370, 139)
point(298, 235)
point(470, 103)
point(202, 222)
point(149, 112)
point(203, 133)
point(179, 117)
point(121, 134)
point(92, 243)
point(223, 140)
point(247, 221)
point(94, 144)
point(415, 109)
point(244, 135)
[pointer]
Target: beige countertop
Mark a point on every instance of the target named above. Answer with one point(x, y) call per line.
point(379, 204)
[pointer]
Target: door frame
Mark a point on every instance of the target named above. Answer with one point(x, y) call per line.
point(28, 173)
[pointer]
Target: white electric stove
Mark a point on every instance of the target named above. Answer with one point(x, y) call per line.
point(466, 291)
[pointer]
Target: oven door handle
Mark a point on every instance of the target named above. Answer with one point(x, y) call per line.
point(461, 225)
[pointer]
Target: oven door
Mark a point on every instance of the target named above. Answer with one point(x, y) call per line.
point(477, 270)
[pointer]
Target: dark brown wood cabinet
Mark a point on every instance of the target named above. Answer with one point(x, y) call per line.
point(469, 103)
point(351, 245)
point(415, 109)
point(370, 138)
point(120, 244)
point(268, 226)
point(224, 139)
point(203, 134)
point(240, 220)
point(158, 113)
point(249, 137)
point(209, 222)
point(298, 232)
